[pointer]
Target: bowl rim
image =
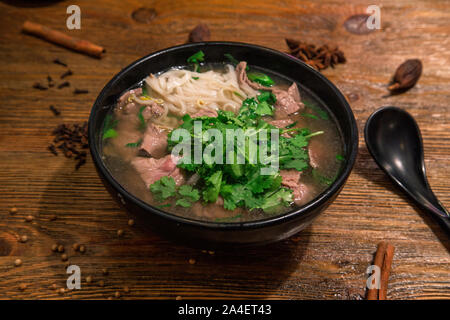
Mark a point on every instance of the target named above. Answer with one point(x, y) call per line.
point(318, 201)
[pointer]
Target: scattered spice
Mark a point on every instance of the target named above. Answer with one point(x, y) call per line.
point(72, 140)
point(50, 82)
point(406, 76)
point(57, 61)
point(64, 257)
point(144, 15)
point(76, 247)
point(192, 261)
point(131, 222)
point(54, 247)
point(64, 84)
point(80, 91)
point(126, 289)
point(117, 294)
point(61, 248)
point(18, 262)
point(88, 279)
point(66, 74)
point(53, 287)
point(61, 291)
point(22, 286)
point(13, 210)
point(317, 57)
point(120, 232)
point(39, 86)
point(29, 218)
point(211, 252)
point(53, 217)
point(55, 111)
point(200, 33)
point(82, 249)
point(23, 239)
point(52, 149)
point(383, 259)
point(105, 271)
point(357, 24)
point(178, 298)
point(101, 283)
point(62, 39)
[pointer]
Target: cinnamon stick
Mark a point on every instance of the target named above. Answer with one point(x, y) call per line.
point(383, 259)
point(62, 39)
point(385, 271)
point(372, 294)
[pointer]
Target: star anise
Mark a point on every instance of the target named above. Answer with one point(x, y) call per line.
point(317, 57)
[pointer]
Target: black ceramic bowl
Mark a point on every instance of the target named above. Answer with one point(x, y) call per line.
point(221, 233)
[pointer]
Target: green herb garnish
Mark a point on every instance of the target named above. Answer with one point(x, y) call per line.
point(260, 78)
point(108, 127)
point(145, 91)
point(164, 188)
point(195, 78)
point(195, 59)
point(321, 113)
point(142, 123)
point(340, 158)
point(134, 144)
point(232, 59)
point(310, 115)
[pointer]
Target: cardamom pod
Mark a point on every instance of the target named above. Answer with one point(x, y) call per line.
point(406, 75)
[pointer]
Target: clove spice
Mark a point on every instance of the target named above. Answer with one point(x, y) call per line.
point(406, 76)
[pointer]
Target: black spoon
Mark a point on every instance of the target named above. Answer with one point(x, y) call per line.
point(394, 140)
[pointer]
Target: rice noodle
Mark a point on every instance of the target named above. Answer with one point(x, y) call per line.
point(185, 91)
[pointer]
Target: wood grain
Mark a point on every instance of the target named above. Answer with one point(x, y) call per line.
point(326, 261)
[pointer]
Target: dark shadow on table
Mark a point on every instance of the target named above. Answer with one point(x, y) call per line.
point(381, 179)
point(30, 3)
point(143, 259)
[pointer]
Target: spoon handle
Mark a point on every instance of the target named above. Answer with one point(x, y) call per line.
point(441, 216)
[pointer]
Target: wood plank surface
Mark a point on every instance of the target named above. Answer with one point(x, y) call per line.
point(326, 261)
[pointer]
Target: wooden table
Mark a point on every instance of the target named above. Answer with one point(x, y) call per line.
point(326, 261)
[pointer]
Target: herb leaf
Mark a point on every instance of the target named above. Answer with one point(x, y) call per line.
point(260, 78)
point(108, 127)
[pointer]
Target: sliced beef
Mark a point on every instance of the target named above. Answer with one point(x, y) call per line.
point(124, 98)
point(205, 113)
point(243, 80)
point(288, 102)
point(290, 178)
point(302, 194)
point(151, 169)
point(154, 142)
point(153, 110)
point(301, 191)
point(281, 123)
point(319, 154)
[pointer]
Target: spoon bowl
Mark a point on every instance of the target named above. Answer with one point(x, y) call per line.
point(395, 142)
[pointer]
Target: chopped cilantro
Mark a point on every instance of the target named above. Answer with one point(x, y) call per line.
point(195, 59)
point(260, 78)
point(134, 144)
point(142, 123)
point(108, 127)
